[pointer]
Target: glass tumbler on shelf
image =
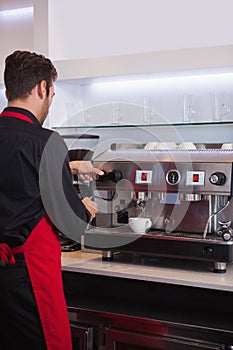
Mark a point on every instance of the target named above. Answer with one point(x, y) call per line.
point(219, 108)
point(146, 111)
point(115, 113)
point(188, 108)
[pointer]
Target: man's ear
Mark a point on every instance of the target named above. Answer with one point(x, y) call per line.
point(42, 89)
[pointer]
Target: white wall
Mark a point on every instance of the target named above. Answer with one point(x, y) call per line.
point(82, 29)
point(16, 31)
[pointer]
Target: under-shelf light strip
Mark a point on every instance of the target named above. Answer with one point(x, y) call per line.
point(17, 12)
point(166, 80)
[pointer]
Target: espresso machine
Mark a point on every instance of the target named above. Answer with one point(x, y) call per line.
point(187, 194)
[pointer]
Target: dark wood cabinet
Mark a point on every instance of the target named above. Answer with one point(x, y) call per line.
point(82, 336)
point(121, 340)
point(108, 313)
point(120, 332)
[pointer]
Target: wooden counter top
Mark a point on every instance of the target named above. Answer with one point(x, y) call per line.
point(171, 271)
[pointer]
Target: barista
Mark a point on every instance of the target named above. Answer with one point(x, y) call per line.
point(34, 170)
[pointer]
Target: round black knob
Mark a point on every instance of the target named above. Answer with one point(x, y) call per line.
point(115, 175)
point(217, 179)
point(208, 251)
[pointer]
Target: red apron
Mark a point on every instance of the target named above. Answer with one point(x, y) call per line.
point(42, 253)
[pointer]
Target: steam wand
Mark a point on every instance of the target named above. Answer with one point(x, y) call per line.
point(212, 215)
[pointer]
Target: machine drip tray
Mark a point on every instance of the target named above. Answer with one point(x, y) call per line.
point(162, 244)
point(125, 231)
point(192, 235)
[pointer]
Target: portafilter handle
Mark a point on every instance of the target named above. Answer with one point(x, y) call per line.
point(114, 175)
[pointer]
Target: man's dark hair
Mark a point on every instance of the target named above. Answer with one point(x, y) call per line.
point(24, 70)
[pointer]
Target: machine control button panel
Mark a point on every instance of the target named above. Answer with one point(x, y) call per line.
point(143, 177)
point(173, 177)
point(195, 178)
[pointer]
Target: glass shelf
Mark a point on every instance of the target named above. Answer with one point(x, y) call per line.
point(143, 125)
point(201, 132)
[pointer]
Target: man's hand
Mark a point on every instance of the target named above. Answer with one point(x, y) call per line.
point(91, 206)
point(84, 169)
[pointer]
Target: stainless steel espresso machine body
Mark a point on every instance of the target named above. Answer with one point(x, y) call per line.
point(187, 194)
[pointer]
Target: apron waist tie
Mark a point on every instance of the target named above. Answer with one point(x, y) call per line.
point(7, 253)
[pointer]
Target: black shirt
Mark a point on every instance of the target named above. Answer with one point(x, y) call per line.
point(32, 159)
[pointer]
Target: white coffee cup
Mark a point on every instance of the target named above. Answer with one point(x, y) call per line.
point(140, 225)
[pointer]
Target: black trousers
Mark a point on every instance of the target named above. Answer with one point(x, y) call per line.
point(20, 323)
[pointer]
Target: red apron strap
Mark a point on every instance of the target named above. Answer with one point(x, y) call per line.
point(18, 249)
point(6, 254)
point(16, 115)
point(42, 252)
